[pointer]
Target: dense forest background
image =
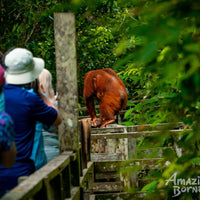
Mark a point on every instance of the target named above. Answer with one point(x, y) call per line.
point(154, 46)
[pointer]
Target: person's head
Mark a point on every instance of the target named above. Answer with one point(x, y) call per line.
point(22, 67)
point(45, 84)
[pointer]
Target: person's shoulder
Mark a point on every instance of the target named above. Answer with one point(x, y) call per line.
point(21, 92)
point(31, 96)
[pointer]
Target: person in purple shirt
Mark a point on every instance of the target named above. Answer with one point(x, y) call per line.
point(25, 108)
point(7, 144)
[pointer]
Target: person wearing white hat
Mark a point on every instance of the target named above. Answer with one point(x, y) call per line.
point(25, 109)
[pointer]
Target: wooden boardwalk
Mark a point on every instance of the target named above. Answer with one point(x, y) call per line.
point(93, 175)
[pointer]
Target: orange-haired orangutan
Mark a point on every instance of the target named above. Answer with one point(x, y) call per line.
point(108, 88)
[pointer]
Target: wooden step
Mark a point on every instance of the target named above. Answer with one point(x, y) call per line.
point(106, 156)
point(75, 194)
point(115, 166)
point(121, 195)
point(106, 177)
point(101, 187)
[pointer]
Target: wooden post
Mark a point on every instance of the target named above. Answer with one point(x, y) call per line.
point(85, 140)
point(66, 70)
point(132, 153)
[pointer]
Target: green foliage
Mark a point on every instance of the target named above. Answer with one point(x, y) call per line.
point(150, 187)
point(23, 25)
point(169, 52)
point(154, 46)
point(96, 38)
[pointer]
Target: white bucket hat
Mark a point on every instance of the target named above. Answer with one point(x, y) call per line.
point(22, 67)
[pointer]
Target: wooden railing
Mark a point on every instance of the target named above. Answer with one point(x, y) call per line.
point(112, 161)
point(72, 175)
point(59, 179)
point(67, 176)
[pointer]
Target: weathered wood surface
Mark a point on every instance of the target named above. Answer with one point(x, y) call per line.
point(85, 133)
point(57, 180)
point(109, 161)
point(75, 194)
point(151, 152)
point(91, 197)
point(66, 70)
point(116, 186)
point(115, 166)
point(87, 174)
point(106, 156)
point(135, 134)
point(35, 182)
point(137, 128)
point(106, 149)
point(120, 196)
point(107, 176)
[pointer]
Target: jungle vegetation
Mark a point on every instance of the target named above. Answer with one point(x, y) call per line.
point(154, 46)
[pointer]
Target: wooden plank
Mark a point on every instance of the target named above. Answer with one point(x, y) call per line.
point(86, 181)
point(75, 171)
point(92, 197)
point(141, 153)
point(121, 135)
point(55, 166)
point(108, 186)
point(24, 190)
point(66, 175)
point(106, 156)
point(135, 128)
point(134, 134)
point(107, 166)
point(115, 166)
point(87, 174)
point(53, 188)
point(34, 183)
point(151, 152)
point(121, 195)
point(22, 178)
point(85, 140)
point(107, 176)
point(75, 194)
point(73, 156)
point(132, 153)
point(66, 71)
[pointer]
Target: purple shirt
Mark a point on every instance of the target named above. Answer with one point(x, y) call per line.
point(6, 131)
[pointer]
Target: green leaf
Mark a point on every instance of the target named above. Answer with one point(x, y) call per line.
point(184, 159)
point(128, 112)
point(195, 160)
point(129, 103)
point(169, 154)
point(150, 187)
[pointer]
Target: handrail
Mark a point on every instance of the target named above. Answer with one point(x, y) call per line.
point(42, 183)
point(69, 174)
point(62, 178)
point(135, 134)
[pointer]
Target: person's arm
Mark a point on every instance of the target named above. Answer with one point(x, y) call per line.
point(51, 104)
point(7, 158)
